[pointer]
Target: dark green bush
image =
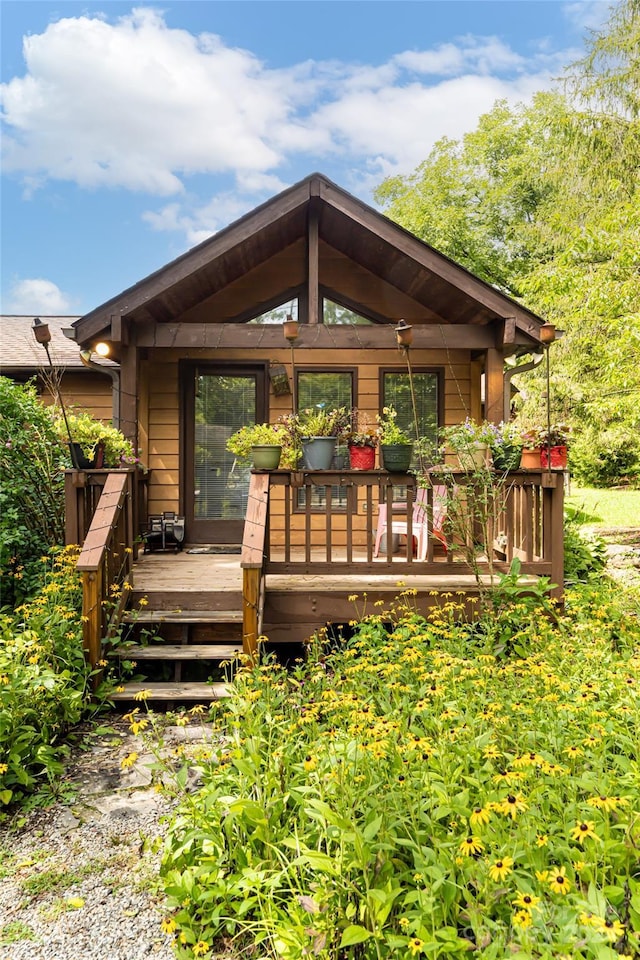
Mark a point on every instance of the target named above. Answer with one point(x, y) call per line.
point(605, 458)
point(584, 554)
point(32, 490)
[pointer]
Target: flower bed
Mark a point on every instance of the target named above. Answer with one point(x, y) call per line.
point(434, 788)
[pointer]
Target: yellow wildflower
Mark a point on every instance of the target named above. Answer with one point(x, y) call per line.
point(500, 869)
point(415, 946)
point(525, 901)
point(479, 817)
point(522, 919)
point(168, 925)
point(558, 882)
point(471, 846)
point(200, 948)
point(129, 760)
point(583, 830)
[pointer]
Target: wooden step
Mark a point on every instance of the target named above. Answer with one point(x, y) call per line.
point(182, 616)
point(178, 651)
point(192, 692)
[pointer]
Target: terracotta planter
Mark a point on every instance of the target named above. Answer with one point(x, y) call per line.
point(362, 458)
point(530, 459)
point(558, 458)
point(396, 457)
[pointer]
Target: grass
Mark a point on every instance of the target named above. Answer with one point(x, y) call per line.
point(605, 509)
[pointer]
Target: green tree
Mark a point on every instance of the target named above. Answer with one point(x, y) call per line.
point(543, 202)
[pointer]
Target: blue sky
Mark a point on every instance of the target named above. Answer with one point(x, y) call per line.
point(132, 132)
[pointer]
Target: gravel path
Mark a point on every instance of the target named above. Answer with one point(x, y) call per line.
point(78, 881)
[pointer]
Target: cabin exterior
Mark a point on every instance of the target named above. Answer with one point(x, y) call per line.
point(201, 352)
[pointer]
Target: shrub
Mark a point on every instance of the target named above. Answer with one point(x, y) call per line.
point(43, 679)
point(584, 554)
point(32, 490)
point(605, 458)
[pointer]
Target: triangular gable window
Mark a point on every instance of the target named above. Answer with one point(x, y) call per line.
point(335, 313)
point(277, 315)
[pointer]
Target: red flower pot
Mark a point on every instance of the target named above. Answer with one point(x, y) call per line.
point(558, 457)
point(362, 458)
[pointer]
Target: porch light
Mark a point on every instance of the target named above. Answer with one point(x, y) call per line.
point(404, 334)
point(43, 336)
point(102, 349)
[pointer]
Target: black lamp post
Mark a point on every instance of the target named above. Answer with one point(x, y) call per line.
point(43, 336)
point(291, 331)
point(547, 337)
point(404, 339)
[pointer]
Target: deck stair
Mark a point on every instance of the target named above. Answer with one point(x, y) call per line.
point(182, 636)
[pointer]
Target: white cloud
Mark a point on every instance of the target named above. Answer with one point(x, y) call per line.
point(138, 105)
point(36, 296)
point(587, 14)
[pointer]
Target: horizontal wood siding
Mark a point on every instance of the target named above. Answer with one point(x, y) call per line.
point(162, 453)
point(85, 393)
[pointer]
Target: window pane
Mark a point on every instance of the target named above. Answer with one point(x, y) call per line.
point(397, 393)
point(326, 391)
point(335, 313)
point(278, 314)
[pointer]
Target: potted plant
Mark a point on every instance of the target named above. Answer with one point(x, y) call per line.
point(396, 446)
point(470, 442)
point(317, 430)
point(260, 444)
point(538, 441)
point(362, 441)
point(98, 445)
point(505, 443)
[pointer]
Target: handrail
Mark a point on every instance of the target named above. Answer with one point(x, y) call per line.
point(334, 534)
point(252, 560)
point(105, 562)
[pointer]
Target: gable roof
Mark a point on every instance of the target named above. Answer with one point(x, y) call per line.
point(381, 249)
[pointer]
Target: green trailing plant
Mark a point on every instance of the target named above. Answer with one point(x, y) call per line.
point(90, 433)
point(31, 491)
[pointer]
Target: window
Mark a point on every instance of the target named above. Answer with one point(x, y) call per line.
point(335, 313)
point(326, 390)
point(278, 315)
point(396, 392)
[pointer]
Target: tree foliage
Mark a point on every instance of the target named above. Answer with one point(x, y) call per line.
point(32, 491)
point(543, 201)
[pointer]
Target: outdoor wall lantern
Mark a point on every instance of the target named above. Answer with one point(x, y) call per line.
point(404, 334)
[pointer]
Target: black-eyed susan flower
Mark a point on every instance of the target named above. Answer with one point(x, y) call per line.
point(522, 919)
point(168, 925)
point(558, 882)
point(512, 805)
point(525, 901)
point(309, 763)
point(416, 946)
point(500, 869)
point(479, 817)
point(583, 830)
point(471, 846)
point(612, 929)
point(200, 948)
point(608, 804)
point(542, 840)
point(129, 760)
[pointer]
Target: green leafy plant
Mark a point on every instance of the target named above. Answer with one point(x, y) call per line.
point(389, 432)
point(359, 432)
point(89, 433)
point(259, 434)
point(317, 422)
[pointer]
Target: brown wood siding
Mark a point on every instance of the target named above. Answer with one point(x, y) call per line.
point(162, 450)
point(85, 393)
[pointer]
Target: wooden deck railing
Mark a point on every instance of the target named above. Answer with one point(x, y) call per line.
point(83, 489)
point(324, 522)
point(105, 562)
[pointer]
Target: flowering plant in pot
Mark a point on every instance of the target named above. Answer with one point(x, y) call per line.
point(539, 440)
point(316, 430)
point(100, 445)
point(396, 446)
point(362, 440)
point(470, 442)
point(505, 443)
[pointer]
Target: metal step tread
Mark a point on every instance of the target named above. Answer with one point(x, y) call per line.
point(193, 691)
point(177, 651)
point(183, 616)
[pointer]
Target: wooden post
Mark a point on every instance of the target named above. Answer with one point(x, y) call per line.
point(557, 535)
point(92, 618)
point(250, 610)
point(494, 386)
